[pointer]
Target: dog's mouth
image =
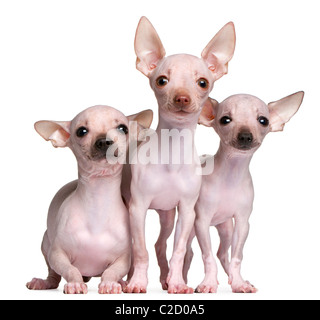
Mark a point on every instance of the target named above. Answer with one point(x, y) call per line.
point(182, 111)
point(107, 156)
point(245, 147)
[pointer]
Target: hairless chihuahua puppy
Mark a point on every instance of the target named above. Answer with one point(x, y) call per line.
point(81, 240)
point(241, 121)
point(181, 84)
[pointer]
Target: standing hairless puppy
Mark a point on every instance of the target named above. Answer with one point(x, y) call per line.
point(181, 84)
point(226, 197)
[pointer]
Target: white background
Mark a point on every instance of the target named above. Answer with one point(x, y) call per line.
point(60, 57)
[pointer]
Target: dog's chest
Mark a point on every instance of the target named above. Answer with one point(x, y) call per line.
point(93, 247)
point(225, 200)
point(168, 187)
point(93, 253)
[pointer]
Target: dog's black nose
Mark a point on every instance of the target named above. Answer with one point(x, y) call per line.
point(103, 144)
point(245, 139)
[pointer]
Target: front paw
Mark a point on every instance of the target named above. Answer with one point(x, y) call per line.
point(109, 287)
point(179, 288)
point(137, 284)
point(176, 284)
point(207, 288)
point(135, 288)
point(75, 288)
point(243, 287)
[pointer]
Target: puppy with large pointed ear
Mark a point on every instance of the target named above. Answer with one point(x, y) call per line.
point(181, 83)
point(88, 231)
point(226, 197)
point(101, 119)
point(95, 133)
point(216, 55)
point(272, 117)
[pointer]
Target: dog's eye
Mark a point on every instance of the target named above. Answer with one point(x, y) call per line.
point(82, 131)
point(225, 120)
point(263, 121)
point(122, 128)
point(162, 81)
point(203, 83)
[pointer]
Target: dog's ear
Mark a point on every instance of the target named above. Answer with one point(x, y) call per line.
point(148, 47)
point(58, 132)
point(208, 112)
point(220, 50)
point(283, 110)
point(138, 123)
point(143, 118)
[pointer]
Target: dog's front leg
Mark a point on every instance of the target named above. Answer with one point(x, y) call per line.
point(139, 280)
point(240, 234)
point(185, 223)
point(202, 228)
point(61, 264)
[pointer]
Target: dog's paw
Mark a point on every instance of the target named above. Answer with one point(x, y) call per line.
point(207, 288)
point(243, 287)
point(110, 287)
point(40, 284)
point(75, 288)
point(181, 288)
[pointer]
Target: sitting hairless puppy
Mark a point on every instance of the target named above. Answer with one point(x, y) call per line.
point(181, 84)
point(81, 241)
point(241, 121)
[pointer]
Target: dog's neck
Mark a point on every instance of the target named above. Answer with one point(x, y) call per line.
point(100, 188)
point(176, 142)
point(189, 122)
point(232, 164)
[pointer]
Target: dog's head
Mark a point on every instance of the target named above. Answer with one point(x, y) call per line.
point(98, 136)
point(182, 82)
point(242, 121)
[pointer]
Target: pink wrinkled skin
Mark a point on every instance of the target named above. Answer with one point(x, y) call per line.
point(181, 84)
point(226, 195)
point(81, 240)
